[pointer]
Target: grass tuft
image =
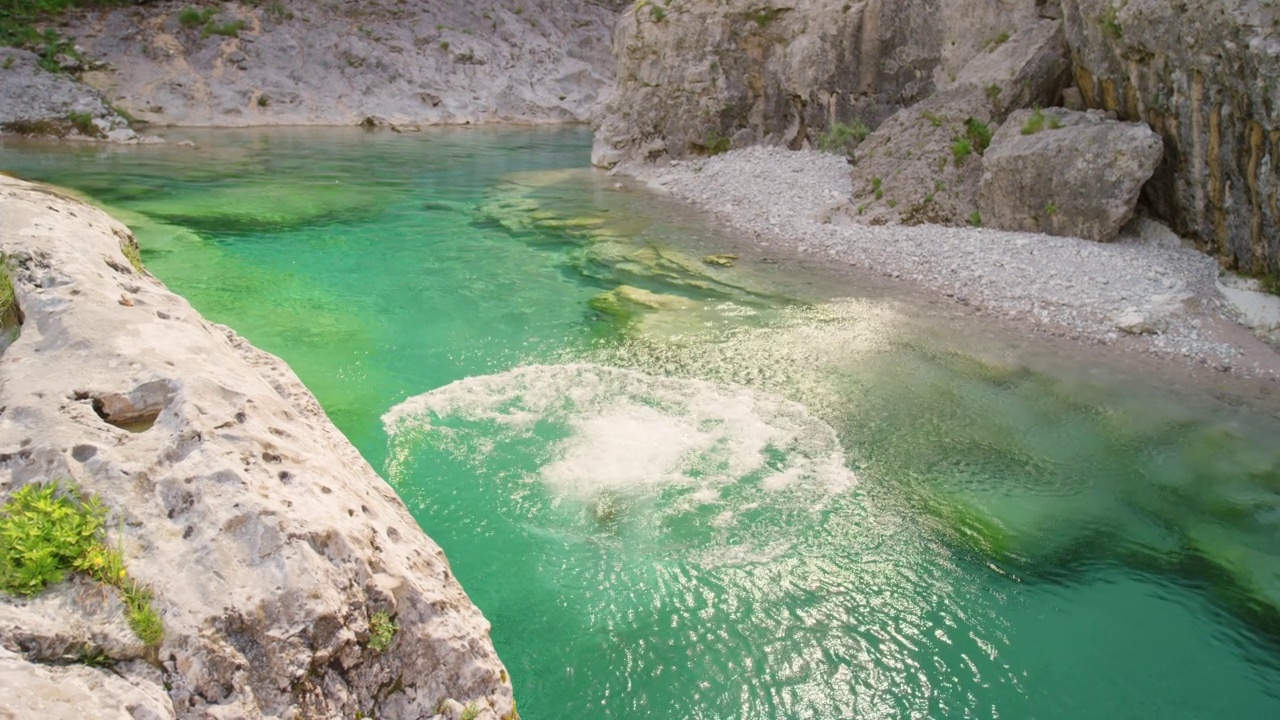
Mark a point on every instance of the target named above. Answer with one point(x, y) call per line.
point(842, 138)
point(382, 630)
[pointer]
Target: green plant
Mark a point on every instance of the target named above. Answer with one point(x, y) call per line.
point(382, 630)
point(44, 534)
point(519, 10)
point(8, 63)
point(934, 118)
point(975, 219)
point(716, 143)
point(47, 531)
point(1050, 209)
point(8, 302)
point(961, 148)
point(978, 133)
point(444, 45)
point(227, 29)
point(263, 101)
point(893, 203)
point(1035, 123)
point(1108, 22)
point(877, 187)
point(133, 254)
point(83, 124)
point(657, 12)
point(843, 137)
point(996, 42)
point(1055, 123)
point(191, 17)
point(278, 11)
point(470, 712)
point(993, 94)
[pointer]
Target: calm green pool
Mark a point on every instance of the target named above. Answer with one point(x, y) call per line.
point(685, 478)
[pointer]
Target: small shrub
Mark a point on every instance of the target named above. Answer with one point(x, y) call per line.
point(978, 133)
point(47, 531)
point(382, 630)
point(263, 101)
point(1055, 123)
point(843, 137)
point(877, 187)
point(44, 534)
point(893, 203)
point(278, 11)
point(933, 118)
point(993, 94)
point(995, 42)
point(191, 17)
point(1035, 123)
point(133, 254)
point(470, 712)
point(975, 219)
point(8, 63)
point(229, 29)
point(444, 45)
point(657, 12)
point(716, 143)
point(1050, 209)
point(8, 302)
point(961, 148)
point(1109, 25)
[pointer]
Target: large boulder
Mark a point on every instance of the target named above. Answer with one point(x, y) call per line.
point(924, 163)
point(1066, 173)
point(291, 580)
point(35, 101)
point(1202, 73)
point(699, 76)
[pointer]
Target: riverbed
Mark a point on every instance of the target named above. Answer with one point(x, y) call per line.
point(687, 476)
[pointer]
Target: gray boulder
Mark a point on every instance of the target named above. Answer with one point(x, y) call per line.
point(34, 101)
point(924, 163)
point(1066, 173)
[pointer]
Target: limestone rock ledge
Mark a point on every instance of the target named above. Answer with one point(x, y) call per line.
point(268, 541)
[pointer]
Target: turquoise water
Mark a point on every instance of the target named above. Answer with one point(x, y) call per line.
point(760, 490)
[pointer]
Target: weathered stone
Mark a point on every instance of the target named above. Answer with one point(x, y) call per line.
point(267, 540)
point(1202, 73)
point(693, 75)
point(36, 102)
point(1066, 173)
point(923, 164)
point(335, 63)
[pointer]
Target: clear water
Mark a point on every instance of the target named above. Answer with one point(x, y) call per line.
point(765, 490)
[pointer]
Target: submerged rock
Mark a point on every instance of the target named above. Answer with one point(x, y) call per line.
point(1066, 173)
point(269, 544)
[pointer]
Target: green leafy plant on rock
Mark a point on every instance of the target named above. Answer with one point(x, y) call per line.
point(1035, 123)
point(8, 301)
point(961, 148)
point(975, 219)
point(978, 133)
point(716, 143)
point(843, 137)
point(48, 531)
point(382, 630)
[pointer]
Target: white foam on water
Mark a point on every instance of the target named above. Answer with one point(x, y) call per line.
point(629, 432)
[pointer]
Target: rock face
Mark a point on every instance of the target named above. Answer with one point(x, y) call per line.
point(695, 76)
point(267, 540)
point(305, 62)
point(33, 101)
point(1066, 173)
point(1202, 73)
point(923, 164)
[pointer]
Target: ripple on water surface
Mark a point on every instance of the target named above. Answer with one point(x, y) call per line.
point(709, 542)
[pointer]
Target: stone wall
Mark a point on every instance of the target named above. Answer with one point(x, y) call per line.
point(1203, 74)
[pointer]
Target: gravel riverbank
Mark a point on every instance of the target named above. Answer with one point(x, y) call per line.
point(1148, 291)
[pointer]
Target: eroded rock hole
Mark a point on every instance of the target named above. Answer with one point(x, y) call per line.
point(135, 411)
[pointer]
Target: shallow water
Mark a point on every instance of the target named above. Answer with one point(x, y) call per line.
point(756, 491)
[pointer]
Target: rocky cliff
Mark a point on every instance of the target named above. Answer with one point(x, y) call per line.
point(1202, 73)
point(290, 579)
point(699, 77)
point(696, 76)
point(307, 62)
